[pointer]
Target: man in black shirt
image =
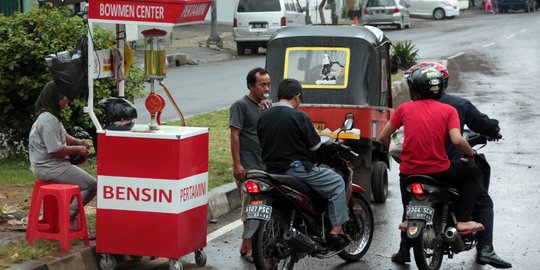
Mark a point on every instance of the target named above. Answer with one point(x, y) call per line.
point(286, 136)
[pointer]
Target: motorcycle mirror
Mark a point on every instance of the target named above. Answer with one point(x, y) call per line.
point(349, 122)
point(474, 138)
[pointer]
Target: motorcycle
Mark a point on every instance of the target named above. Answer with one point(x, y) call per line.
point(287, 220)
point(430, 214)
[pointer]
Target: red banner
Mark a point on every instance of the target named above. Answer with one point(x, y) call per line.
point(149, 11)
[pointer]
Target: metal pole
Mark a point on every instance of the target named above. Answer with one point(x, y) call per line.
point(90, 101)
point(214, 38)
point(120, 41)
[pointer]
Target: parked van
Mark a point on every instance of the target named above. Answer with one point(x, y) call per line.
point(255, 21)
point(439, 9)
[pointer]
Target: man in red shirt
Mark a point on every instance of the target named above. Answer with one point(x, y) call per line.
point(428, 124)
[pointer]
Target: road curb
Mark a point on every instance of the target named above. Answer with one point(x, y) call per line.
point(79, 257)
point(221, 200)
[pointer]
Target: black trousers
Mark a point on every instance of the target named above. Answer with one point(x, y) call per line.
point(482, 211)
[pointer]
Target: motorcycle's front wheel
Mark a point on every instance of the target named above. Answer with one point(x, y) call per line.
point(428, 246)
point(270, 252)
point(360, 228)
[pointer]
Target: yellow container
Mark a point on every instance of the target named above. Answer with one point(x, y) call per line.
point(154, 64)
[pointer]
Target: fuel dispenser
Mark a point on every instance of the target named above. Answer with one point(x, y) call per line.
point(152, 197)
point(154, 69)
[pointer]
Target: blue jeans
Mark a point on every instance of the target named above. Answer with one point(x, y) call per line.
point(329, 185)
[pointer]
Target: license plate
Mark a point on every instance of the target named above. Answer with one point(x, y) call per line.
point(420, 212)
point(259, 211)
point(258, 25)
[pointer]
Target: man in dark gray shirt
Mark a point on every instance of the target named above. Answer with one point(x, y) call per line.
point(245, 149)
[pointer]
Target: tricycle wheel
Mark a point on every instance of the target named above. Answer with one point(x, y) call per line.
point(175, 265)
point(107, 262)
point(135, 258)
point(240, 48)
point(379, 181)
point(200, 258)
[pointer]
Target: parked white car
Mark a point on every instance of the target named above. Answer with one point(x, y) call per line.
point(255, 21)
point(439, 9)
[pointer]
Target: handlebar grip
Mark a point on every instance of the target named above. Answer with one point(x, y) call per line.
point(348, 149)
point(344, 147)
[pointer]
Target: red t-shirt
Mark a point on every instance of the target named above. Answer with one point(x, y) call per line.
point(426, 124)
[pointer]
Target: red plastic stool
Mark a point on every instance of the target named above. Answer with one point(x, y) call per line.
point(57, 227)
point(49, 209)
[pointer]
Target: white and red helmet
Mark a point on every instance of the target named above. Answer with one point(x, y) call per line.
point(439, 67)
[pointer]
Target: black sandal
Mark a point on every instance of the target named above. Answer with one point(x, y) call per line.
point(338, 241)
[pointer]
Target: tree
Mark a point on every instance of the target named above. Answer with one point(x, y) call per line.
point(25, 40)
point(403, 55)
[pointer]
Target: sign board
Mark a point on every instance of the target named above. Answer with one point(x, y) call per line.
point(102, 66)
point(152, 12)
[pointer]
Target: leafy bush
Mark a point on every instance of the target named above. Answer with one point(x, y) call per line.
point(25, 40)
point(403, 55)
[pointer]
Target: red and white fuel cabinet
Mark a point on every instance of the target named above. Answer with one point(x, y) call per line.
point(152, 193)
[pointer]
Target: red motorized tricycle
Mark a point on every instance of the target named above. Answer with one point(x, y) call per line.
point(345, 73)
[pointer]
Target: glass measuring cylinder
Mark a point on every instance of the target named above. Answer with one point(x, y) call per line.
point(155, 64)
point(154, 54)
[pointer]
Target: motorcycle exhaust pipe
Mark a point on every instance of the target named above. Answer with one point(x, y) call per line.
point(454, 239)
point(301, 241)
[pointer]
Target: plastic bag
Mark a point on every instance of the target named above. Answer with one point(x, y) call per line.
point(396, 144)
point(70, 70)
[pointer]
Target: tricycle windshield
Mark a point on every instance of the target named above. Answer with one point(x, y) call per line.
point(318, 67)
point(341, 65)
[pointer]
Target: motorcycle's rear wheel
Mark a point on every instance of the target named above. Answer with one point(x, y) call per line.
point(428, 247)
point(270, 252)
point(362, 233)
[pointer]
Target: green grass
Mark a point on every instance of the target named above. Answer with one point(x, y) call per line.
point(398, 76)
point(18, 252)
point(16, 171)
point(220, 159)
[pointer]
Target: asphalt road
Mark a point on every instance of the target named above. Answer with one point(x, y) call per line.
point(493, 62)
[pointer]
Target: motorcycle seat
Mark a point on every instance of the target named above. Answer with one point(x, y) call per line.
point(282, 179)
